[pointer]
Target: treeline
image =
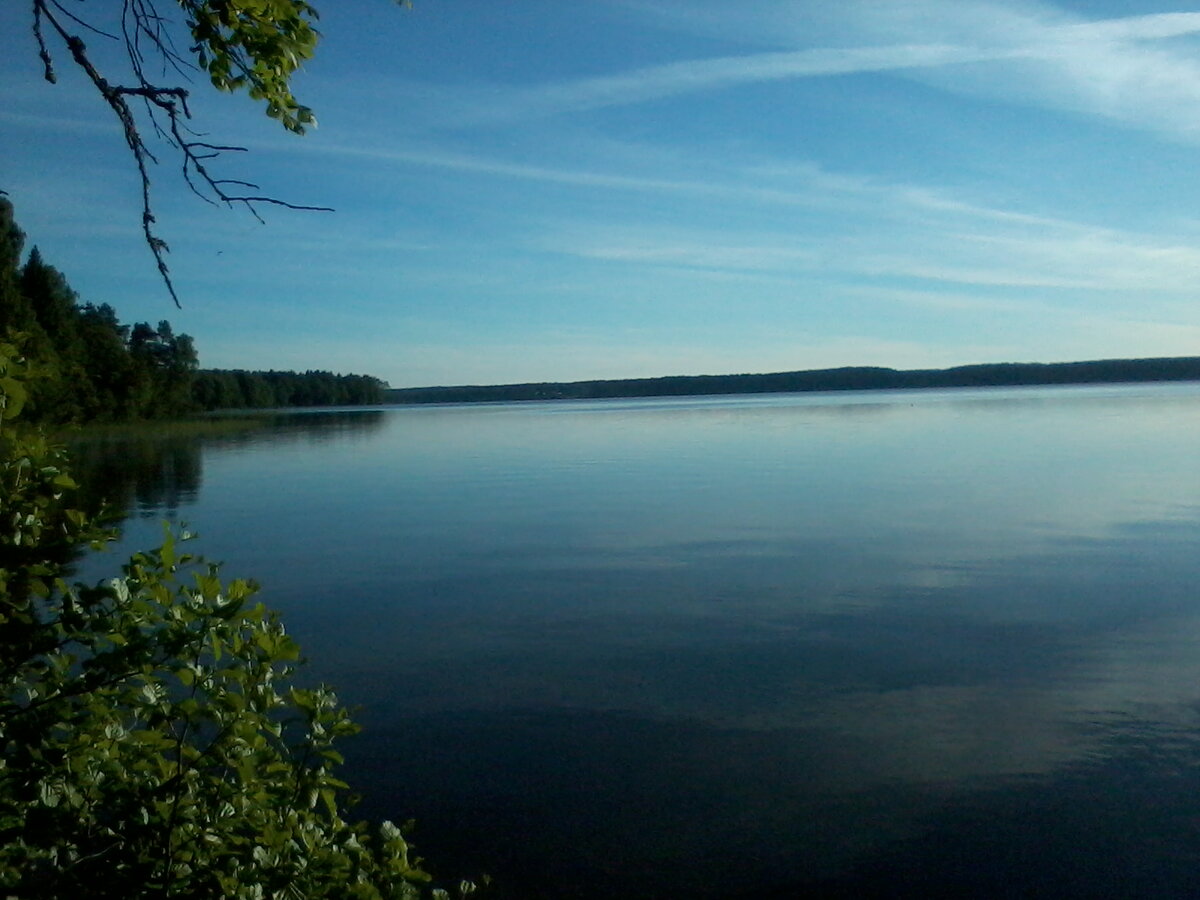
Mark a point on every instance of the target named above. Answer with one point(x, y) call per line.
point(90, 366)
point(238, 389)
point(94, 368)
point(854, 378)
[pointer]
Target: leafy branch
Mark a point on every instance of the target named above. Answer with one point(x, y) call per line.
point(256, 46)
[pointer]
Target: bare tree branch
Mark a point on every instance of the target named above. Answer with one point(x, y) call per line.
point(43, 52)
point(74, 18)
point(143, 31)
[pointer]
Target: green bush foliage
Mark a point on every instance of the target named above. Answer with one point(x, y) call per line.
point(153, 741)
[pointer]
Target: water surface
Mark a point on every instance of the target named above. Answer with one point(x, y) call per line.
point(883, 643)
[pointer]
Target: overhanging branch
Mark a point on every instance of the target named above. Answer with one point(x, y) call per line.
point(166, 108)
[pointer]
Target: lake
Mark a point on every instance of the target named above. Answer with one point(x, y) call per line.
point(926, 643)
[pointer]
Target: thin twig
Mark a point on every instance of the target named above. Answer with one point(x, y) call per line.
point(165, 107)
point(74, 18)
point(43, 52)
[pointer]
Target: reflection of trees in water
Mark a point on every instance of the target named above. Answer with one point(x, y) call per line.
point(156, 468)
point(319, 426)
point(136, 473)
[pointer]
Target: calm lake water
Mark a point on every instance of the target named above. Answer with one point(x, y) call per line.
point(939, 643)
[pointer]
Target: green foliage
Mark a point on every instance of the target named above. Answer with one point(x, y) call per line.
point(14, 307)
point(256, 45)
point(92, 370)
point(100, 370)
point(239, 389)
point(153, 741)
point(14, 373)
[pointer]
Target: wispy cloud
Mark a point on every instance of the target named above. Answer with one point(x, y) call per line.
point(694, 76)
point(1152, 27)
point(756, 183)
point(1116, 68)
point(81, 125)
point(1087, 262)
point(946, 239)
point(463, 162)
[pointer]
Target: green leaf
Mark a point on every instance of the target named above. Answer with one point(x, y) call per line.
point(12, 397)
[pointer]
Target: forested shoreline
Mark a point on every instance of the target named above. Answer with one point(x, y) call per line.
point(849, 378)
point(93, 368)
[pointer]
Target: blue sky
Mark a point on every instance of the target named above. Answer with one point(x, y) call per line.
point(547, 190)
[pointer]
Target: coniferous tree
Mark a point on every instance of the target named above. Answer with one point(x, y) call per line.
point(15, 311)
point(96, 369)
point(51, 298)
point(66, 396)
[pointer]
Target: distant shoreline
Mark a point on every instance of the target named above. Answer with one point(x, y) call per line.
point(849, 378)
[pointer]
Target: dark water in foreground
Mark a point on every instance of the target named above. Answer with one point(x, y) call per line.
point(888, 644)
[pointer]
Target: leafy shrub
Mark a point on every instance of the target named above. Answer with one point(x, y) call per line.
point(152, 741)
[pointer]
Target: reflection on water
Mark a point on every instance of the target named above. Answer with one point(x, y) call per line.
point(897, 644)
point(152, 470)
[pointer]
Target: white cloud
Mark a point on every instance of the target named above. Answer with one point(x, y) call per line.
point(694, 76)
point(754, 183)
point(1117, 68)
point(1055, 256)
